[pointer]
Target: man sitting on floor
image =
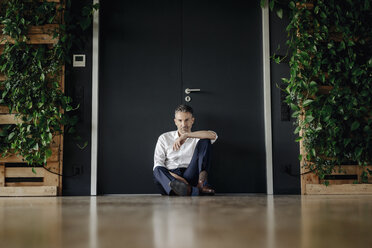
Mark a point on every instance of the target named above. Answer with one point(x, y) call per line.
point(182, 157)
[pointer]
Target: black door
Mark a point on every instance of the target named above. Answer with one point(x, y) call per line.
point(150, 52)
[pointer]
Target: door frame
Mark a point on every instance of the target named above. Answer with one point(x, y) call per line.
point(266, 88)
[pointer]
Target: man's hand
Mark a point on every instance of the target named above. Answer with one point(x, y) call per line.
point(179, 142)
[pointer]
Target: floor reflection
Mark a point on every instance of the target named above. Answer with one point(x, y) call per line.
point(161, 222)
point(173, 225)
point(93, 234)
point(30, 222)
point(270, 223)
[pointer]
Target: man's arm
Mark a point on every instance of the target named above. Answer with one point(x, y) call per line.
point(202, 135)
point(159, 154)
point(198, 134)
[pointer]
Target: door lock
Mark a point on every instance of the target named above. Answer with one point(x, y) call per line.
point(187, 98)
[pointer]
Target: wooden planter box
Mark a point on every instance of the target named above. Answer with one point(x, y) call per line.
point(18, 179)
point(340, 183)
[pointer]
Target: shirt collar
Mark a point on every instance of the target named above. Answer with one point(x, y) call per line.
point(176, 135)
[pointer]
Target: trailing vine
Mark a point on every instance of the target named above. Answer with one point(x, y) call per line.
point(33, 72)
point(330, 83)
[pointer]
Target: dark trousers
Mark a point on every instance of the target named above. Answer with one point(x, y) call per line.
point(200, 161)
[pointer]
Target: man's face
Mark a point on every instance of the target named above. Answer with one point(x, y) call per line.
point(183, 121)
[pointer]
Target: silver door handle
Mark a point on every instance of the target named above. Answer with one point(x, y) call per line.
point(188, 91)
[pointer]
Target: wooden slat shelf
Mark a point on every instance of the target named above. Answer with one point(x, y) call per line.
point(50, 1)
point(341, 189)
point(10, 119)
point(36, 35)
point(44, 29)
point(305, 5)
point(29, 191)
point(35, 39)
point(19, 159)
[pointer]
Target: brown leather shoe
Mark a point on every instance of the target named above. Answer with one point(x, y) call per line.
point(205, 189)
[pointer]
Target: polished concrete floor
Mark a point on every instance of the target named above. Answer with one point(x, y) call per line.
point(161, 222)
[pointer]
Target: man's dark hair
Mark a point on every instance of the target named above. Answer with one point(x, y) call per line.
point(184, 108)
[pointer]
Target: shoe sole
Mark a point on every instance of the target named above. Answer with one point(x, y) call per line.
point(179, 188)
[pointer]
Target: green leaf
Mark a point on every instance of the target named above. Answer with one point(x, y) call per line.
point(279, 13)
point(309, 118)
point(33, 170)
point(307, 102)
point(358, 152)
point(298, 139)
point(96, 6)
point(263, 3)
point(316, 9)
point(313, 84)
point(83, 146)
point(312, 152)
point(366, 5)
point(366, 128)
point(296, 114)
point(48, 153)
point(84, 24)
point(271, 4)
point(355, 125)
point(297, 130)
point(11, 135)
point(347, 141)
point(294, 107)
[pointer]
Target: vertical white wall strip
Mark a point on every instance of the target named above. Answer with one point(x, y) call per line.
point(267, 97)
point(94, 142)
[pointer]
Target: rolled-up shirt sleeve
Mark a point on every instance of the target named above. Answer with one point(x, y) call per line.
point(159, 155)
point(214, 140)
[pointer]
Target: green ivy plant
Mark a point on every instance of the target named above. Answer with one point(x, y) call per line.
point(33, 73)
point(330, 83)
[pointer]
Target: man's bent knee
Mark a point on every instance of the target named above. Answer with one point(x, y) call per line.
point(158, 170)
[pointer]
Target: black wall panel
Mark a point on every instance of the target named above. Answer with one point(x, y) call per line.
point(78, 85)
point(286, 166)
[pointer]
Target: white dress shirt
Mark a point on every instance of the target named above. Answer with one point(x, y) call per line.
point(165, 155)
